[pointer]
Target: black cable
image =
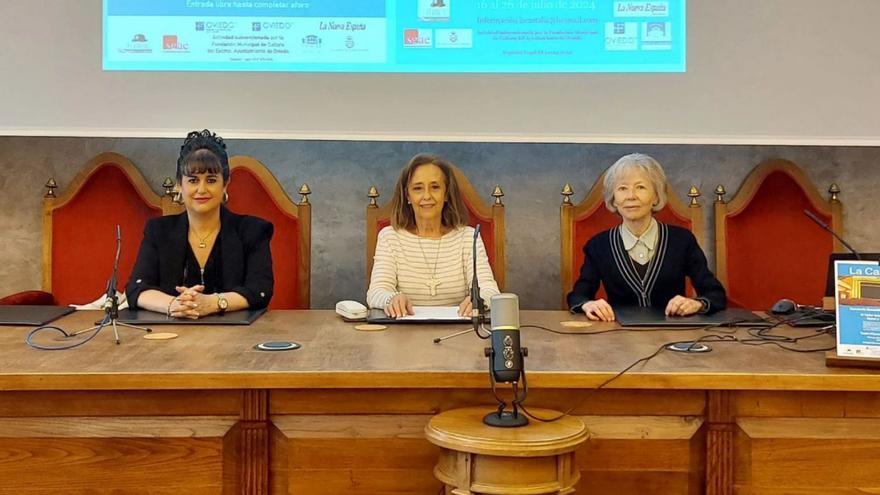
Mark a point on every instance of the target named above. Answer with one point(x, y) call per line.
point(29, 340)
point(760, 337)
point(614, 330)
point(602, 385)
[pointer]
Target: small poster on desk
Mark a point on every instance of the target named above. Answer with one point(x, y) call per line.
point(857, 299)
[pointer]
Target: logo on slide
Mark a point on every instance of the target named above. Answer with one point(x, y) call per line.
point(271, 26)
point(417, 38)
point(215, 27)
point(641, 9)
point(312, 41)
point(170, 43)
point(138, 44)
point(621, 36)
point(434, 10)
point(656, 36)
point(455, 38)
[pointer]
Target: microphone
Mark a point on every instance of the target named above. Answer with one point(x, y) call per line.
point(478, 309)
point(112, 282)
point(507, 356)
point(111, 310)
point(506, 361)
point(825, 226)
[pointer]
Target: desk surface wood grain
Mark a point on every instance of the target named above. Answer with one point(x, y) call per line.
point(335, 355)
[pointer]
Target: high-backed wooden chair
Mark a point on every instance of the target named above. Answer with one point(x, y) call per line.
point(253, 190)
point(490, 218)
point(79, 227)
point(580, 222)
point(766, 247)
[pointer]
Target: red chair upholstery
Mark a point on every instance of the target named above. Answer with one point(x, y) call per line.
point(766, 247)
point(30, 297)
point(580, 222)
point(253, 190)
point(79, 228)
point(490, 218)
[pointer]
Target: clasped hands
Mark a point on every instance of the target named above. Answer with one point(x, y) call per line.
point(192, 303)
point(401, 305)
point(600, 310)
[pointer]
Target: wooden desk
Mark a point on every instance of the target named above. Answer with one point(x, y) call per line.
point(205, 413)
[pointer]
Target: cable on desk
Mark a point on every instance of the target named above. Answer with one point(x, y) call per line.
point(29, 340)
point(760, 336)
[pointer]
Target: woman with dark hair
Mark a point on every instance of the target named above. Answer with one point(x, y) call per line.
point(206, 260)
point(424, 258)
point(643, 262)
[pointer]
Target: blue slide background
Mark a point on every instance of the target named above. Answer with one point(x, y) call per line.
point(396, 35)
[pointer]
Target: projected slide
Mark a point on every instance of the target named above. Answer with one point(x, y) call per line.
point(395, 35)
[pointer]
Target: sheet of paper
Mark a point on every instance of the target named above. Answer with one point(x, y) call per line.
point(434, 313)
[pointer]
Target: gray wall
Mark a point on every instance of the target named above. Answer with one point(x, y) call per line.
point(340, 173)
point(758, 71)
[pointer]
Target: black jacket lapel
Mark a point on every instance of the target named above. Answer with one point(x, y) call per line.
point(175, 250)
point(232, 249)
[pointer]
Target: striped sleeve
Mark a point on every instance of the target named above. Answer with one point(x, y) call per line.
point(383, 280)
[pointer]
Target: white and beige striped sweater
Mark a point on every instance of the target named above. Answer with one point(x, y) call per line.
point(404, 262)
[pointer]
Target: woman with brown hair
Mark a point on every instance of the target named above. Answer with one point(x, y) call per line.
point(208, 259)
point(424, 258)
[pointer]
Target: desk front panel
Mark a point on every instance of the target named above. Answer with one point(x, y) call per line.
point(205, 413)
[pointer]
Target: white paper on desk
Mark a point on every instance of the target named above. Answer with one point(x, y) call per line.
point(99, 302)
point(434, 313)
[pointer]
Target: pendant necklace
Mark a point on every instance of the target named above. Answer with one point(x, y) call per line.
point(203, 241)
point(432, 282)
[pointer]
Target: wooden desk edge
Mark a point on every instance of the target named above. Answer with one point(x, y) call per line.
point(855, 382)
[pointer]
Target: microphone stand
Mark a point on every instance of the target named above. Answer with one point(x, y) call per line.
point(825, 226)
point(478, 309)
point(111, 317)
point(437, 340)
point(502, 418)
point(111, 304)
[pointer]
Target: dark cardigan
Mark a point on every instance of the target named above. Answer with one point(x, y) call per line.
point(244, 246)
point(676, 256)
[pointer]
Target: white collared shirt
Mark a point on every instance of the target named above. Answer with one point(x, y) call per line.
point(640, 248)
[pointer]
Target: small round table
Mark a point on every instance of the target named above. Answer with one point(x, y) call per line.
point(477, 459)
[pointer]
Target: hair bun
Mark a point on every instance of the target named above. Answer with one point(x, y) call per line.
point(202, 139)
point(207, 140)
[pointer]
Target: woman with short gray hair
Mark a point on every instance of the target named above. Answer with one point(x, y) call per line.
point(643, 262)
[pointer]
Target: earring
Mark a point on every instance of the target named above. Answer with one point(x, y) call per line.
point(226, 197)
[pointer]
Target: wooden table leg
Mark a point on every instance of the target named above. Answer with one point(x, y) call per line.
point(719, 444)
point(254, 446)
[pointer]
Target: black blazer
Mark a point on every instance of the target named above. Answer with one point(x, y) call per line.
point(246, 258)
point(677, 256)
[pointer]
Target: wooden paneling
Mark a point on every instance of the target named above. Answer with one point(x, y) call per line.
point(764, 403)
point(113, 455)
point(808, 455)
point(119, 403)
point(642, 455)
point(352, 454)
point(433, 400)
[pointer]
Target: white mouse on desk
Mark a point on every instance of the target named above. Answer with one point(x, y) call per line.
point(351, 310)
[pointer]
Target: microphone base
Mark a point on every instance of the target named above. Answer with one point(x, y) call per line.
point(506, 419)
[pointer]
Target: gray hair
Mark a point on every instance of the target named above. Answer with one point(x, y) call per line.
point(637, 161)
